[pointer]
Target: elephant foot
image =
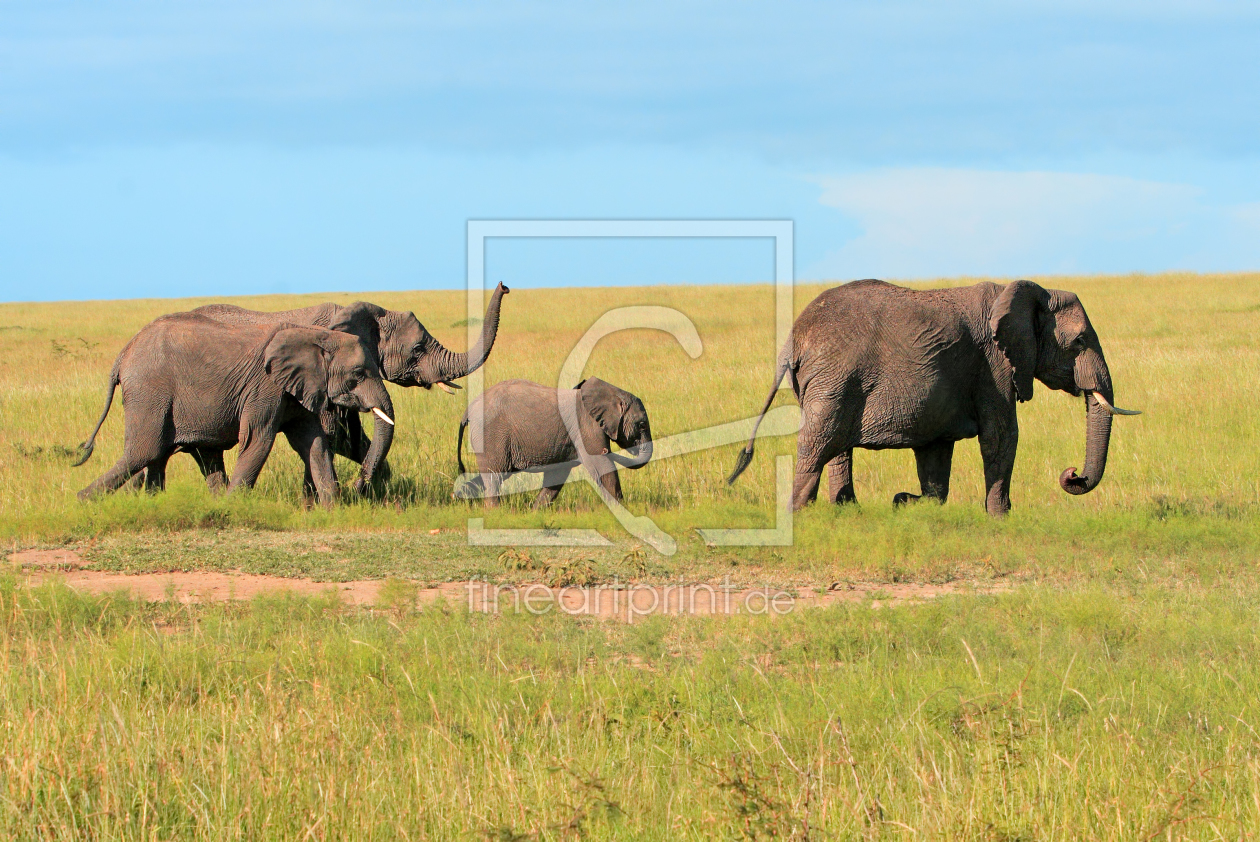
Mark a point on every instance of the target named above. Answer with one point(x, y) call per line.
point(467, 489)
point(903, 498)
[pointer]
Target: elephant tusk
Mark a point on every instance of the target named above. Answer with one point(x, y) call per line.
point(1114, 410)
point(381, 415)
point(449, 388)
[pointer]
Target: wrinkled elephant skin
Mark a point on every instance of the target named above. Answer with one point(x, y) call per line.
point(879, 366)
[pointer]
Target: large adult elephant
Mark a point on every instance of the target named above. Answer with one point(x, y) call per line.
point(406, 354)
point(879, 366)
point(192, 384)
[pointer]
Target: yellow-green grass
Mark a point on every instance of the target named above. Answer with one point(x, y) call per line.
point(1182, 483)
point(1045, 713)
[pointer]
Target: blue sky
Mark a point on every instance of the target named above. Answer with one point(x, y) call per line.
point(172, 149)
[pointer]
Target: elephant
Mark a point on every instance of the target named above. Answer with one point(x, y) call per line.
point(526, 430)
point(878, 366)
point(404, 351)
point(190, 383)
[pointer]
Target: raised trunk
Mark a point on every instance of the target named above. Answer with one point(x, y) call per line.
point(1092, 376)
point(376, 396)
point(443, 365)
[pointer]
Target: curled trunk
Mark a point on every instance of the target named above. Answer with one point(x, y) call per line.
point(635, 457)
point(444, 365)
point(1097, 441)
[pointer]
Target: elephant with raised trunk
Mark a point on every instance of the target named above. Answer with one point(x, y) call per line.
point(526, 430)
point(404, 351)
point(878, 366)
point(192, 384)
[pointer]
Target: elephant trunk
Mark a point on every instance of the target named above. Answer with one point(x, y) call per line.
point(638, 455)
point(376, 397)
point(1093, 378)
point(445, 365)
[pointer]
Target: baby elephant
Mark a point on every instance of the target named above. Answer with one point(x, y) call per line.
point(190, 383)
point(525, 430)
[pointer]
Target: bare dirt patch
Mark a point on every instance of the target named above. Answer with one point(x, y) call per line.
point(624, 601)
point(48, 559)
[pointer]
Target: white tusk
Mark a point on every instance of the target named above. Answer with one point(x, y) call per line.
point(1114, 410)
point(446, 387)
point(381, 415)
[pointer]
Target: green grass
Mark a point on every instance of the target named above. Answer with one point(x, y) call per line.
point(1182, 484)
point(1111, 693)
point(1044, 713)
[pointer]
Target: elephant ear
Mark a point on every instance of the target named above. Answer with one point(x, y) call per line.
point(605, 403)
point(297, 359)
point(1016, 320)
point(361, 319)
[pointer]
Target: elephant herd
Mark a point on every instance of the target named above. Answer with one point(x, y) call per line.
point(872, 365)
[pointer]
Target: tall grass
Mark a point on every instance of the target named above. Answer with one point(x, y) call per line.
point(1183, 347)
point(1040, 714)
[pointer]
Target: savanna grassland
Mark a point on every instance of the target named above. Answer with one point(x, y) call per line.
point(1108, 689)
point(1182, 484)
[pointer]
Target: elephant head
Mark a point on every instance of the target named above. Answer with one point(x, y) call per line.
point(408, 355)
point(623, 419)
point(1046, 334)
point(318, 367)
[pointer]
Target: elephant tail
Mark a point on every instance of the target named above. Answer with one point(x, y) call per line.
point(85, 449)
point(459, 444)
point(746, 455)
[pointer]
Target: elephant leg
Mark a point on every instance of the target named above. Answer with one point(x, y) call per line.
point(492, 481)
point(603, 471)
point(553, 482)
point(309, 494)
point(809, 470)
point(146, 440)
point(210, 462)
point(826, 434)
point(137, 481)
point(934, 462)
point(113, 479)
point(255, 448)
point(319, 479)
point(997, 451)
point(155, 475)
point(840, 478)
point(611, 483)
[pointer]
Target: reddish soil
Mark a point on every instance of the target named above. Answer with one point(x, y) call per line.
point(623, 602)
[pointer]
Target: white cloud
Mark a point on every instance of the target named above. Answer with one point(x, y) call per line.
point(926, 222)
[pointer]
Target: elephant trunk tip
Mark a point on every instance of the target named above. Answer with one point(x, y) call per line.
point(640, 455)
point(1073, 483)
